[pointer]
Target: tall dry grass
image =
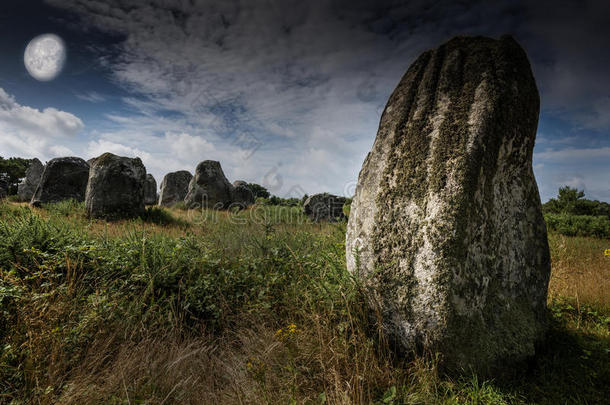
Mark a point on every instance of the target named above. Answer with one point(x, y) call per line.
point(580, 270)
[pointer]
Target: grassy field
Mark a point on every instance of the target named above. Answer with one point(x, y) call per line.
point(184, 307)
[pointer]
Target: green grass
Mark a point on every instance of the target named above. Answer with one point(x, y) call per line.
point(247, 308)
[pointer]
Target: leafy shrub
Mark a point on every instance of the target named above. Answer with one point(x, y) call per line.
point(578, 225)
point(571, 201)
point(258, 190)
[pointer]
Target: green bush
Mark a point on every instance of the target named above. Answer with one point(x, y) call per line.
point(578, 225)
point(571, 201)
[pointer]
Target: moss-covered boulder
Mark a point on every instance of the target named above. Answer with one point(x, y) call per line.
point(446, 225)
point(174, 187)
point(150, 190)
point(63, 178)
point(116, 187)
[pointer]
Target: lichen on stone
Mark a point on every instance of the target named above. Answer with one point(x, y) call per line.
point(446, 218)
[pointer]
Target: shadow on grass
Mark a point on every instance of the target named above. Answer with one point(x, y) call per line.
point(160, 216)
point(571, 367)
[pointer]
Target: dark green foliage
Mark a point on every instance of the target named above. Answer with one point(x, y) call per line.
point(572, 202)
point(572, 215)
point(275, 200)
point(578, 225)
point(258, 190)
point(12, 170)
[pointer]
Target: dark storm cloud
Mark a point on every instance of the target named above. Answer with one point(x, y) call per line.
point(568, 43)
point(306, 80)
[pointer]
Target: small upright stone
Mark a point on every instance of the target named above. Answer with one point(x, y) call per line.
point(27, 187)
point(324, 207)
point(62, 179)
point(174, 187)
point(209, 188)
point(150, 190)
point(116, 187)
point(238, 183)
point(446, 227)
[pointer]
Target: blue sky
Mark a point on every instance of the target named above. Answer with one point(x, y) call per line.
point(288, 93)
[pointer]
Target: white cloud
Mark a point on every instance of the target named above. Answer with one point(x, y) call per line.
point(29, 132)
point(187, 147)
point(96, 148)
point(92, 97)
point(574, 154)
point(58, 151)
point(308, 82)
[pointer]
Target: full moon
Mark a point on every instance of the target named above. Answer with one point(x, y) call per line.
point(44, 57)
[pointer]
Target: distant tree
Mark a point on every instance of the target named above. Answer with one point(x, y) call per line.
point(12, 170)
point(258, 190)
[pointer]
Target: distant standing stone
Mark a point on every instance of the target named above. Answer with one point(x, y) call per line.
point(238, 183)
point(446, 227)
point(116, 187)
point(324, 207)
point(241, 195)
point(62, 179)
point(150, 190)
point(3, 188)
point(174, 187)
point(27, 187)
point(209, 188)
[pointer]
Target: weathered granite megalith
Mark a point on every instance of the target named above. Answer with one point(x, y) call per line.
point(209, 188)
point(174, 187)
point(62, 179)
point(116, 187)
point(28, 185)
point(446, 227)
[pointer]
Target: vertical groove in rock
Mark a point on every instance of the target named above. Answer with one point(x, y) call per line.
point(447, 213)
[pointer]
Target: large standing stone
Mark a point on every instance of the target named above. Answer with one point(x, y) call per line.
point(116, 187)
point(174, 187)
point(324, 207)
point(62, 179)
point(446, 220)
point(28, 185)
point(150, 190)
point(209, 188)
